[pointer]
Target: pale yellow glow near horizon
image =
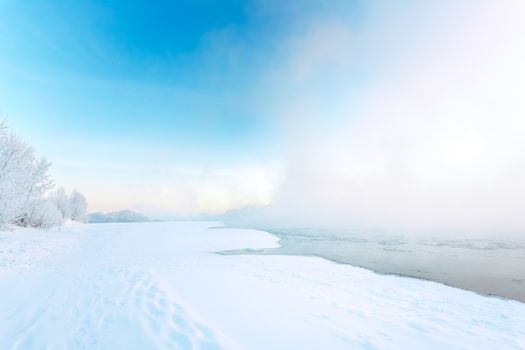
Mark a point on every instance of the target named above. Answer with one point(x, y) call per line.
point(194, 193)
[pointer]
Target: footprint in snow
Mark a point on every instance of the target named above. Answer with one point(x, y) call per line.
point(166, 322)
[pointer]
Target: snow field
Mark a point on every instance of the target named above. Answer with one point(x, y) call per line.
point(162, 286)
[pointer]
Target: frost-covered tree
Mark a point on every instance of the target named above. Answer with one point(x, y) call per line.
point(61, 200)
point(37, 184)
point(78, 206)
point(24, 183)
point(14, 171)
point(23, 177)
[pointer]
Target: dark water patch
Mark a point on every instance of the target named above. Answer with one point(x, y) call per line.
point(484, 265)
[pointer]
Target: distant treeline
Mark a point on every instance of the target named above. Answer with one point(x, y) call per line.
point(117, 216)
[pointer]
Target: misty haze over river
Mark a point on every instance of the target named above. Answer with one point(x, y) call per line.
point(494, 266)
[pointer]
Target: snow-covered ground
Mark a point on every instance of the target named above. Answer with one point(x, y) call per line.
point(161, 286)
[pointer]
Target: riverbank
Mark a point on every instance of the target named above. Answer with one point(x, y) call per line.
point(490, 266)
point(162, 286)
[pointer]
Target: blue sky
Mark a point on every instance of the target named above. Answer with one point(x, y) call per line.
point(186, 107)
point(121, 95)
point(98, 84)
point(195, 99)
point(119, 69)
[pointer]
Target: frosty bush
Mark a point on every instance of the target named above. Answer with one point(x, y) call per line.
point(43, 213)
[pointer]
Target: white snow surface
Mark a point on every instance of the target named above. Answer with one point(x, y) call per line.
point(162, 286)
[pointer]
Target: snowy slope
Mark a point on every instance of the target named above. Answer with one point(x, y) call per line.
point(160, 286)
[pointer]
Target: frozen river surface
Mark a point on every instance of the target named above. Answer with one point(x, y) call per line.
point(488, 265)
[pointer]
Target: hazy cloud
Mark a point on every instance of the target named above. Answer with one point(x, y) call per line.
point(426, 134)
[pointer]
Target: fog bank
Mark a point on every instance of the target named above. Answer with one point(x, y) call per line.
point(414, 120)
